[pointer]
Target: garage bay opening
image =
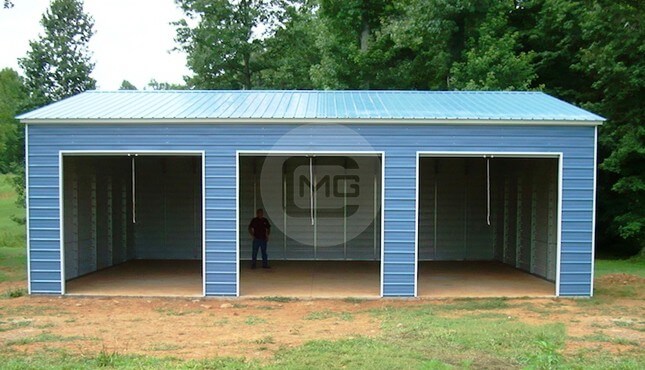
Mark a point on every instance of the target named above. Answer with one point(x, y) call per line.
point(487, 226)
point(325, 217)
point(133, 224)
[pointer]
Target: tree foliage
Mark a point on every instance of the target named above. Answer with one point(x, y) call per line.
point(58, 63)
point(225, 44)
point(493, 59)
point(156, 85)
point(588, 52)
point(614, 54)
point(127, 85)
point(13, 98)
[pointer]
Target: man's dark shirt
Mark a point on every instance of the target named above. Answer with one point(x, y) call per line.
point(261, 228)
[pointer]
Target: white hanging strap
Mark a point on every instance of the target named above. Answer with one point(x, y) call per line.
point(134, 191)
point(311, 189)
point(488, 190)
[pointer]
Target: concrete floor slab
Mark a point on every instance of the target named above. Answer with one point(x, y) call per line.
point(312, 279)
point(144, 278)
point(309, 279)
point(479, 279)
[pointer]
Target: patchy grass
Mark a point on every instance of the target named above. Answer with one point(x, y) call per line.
point(173, 312)
point(354, 300)
point(602, 337)
point(265, 340)
point(14, 293)
point(279, 299)
point(112, 359)
point(328, 314)
point(475, 304)
point(32, 310)
point(267, 308)
point(40, 338)
point(483, 342)
point(14, 324)
point(162, 347)
point(254, 320)
point(632, 266)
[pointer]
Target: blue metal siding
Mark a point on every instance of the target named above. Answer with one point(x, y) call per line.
point(400, 144)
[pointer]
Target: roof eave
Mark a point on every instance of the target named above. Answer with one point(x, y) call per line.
point(422, 121)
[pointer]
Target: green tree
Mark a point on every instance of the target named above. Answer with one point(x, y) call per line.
point(419, 42)
point(156, 85)
point(614, 54)
point(346, 32)
point(291, 51)
point(552, 31)
point(127, 85)
point(13, 96)
point(493, 60)
point(58, 63)
point(225, 45)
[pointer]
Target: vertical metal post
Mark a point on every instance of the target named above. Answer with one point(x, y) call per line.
point(345, 216)
point(134, 191)
point(487, 190)
point(436, 213)
point(495, 225)
point(518, 224)
point(465, 229)
point(314, 211)
point(375, 215)
point(75, 204)
point(93, 222)
point(314, 215)
point(506, 223)
point(312, 187)
point(552, 228)
point(255, 189)
point(110, 218)
point(284, 215)
point(533, 220)
point(124, 222)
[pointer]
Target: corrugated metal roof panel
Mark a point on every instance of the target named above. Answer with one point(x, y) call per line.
point(311, 105)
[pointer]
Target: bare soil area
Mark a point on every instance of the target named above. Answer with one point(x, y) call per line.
point(257, 328)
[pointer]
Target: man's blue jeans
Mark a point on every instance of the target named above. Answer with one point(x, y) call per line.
point(260, 244)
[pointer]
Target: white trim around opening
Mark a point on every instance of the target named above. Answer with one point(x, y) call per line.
point(27, 209)
point(170, 153)
point(593, 223)
point(479, 154)
point(241, 153)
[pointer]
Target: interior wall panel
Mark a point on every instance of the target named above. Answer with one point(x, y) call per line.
point(166, 191)
point(458, 210)
point(294, 237)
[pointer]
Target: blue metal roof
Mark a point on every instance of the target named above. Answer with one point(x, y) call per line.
point(256, 105)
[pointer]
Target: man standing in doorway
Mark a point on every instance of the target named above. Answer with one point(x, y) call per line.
point(259, 228)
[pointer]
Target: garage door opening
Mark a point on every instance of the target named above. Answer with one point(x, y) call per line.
point(325, 216)
point(132, 224)
point(487, 226)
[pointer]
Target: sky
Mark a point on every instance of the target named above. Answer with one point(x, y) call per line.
point(132, 39)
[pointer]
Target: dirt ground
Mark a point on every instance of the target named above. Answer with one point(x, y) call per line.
point(257, 328)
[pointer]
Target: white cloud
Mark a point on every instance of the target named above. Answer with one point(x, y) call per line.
point(132, 41)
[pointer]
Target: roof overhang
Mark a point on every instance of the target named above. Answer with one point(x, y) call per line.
point(300, 121)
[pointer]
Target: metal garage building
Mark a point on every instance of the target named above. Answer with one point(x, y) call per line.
point(369, 193)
